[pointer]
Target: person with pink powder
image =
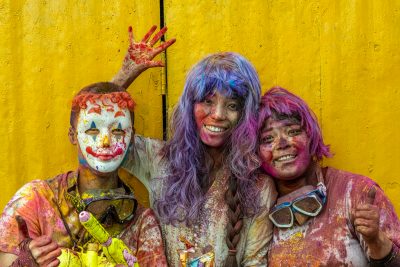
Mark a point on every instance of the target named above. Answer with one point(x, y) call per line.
point(323, 216)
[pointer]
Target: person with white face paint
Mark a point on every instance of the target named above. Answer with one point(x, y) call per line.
point(41, 221)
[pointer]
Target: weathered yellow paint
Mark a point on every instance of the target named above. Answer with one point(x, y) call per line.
point(50, 50)
point(341, 56)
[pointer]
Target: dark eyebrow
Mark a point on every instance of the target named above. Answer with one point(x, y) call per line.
point(286, 124)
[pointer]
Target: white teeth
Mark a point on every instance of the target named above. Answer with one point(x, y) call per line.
point(214, 128)
point(286, 157)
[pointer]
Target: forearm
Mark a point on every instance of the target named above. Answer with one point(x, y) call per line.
point(124, 78)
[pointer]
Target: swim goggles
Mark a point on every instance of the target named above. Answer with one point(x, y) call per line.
point(306, 200)
point(121, 206)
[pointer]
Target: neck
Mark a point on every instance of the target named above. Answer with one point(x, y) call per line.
point(309, 177)
point(216, 155)
point(88, 179)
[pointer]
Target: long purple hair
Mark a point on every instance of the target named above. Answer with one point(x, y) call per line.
point(189, 164)
point(280, 102)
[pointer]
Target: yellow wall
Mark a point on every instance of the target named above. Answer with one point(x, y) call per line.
point(341, 56)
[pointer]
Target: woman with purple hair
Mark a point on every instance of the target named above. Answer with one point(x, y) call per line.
point(323, 216)
point(203, 182)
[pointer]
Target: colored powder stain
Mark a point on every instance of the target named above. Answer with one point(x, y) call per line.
point(117, 152)
point(95, 110)
point(119, 114)
point(82, 161)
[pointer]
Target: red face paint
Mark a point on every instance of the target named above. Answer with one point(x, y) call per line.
point(105, 155)
point(215, 117)
point(95, 110)
point(119, 114)
point(284, 149)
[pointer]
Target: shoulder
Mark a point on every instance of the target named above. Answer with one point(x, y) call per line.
point(268, 193)
point(38, 189)
point(145, 216)
point(345, 179)
point(148, 144)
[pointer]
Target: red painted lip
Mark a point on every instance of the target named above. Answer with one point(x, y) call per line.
point(105, 156)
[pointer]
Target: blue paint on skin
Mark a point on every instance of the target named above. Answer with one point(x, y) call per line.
point(82, 160)
point(119, 126)
point(93, 126)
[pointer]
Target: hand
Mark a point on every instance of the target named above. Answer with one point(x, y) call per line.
point(140, 56)
point(45, 251)
point(366, 222)
point(142, 53)
point(366, 218)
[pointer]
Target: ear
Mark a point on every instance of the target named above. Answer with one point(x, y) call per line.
point(133, 135)
point(72, 136)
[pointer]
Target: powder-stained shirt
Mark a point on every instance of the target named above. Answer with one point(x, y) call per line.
point(149, 166)
point(330, 238)
point(37, 201)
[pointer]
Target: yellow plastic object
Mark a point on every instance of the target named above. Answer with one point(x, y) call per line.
point(113, 248)
point(68, 258)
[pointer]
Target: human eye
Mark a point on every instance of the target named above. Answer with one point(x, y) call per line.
point(234, 106)
point(295, 131)
point(118, 132)
point(92, 131)
point(207, 101)
point(268, 139)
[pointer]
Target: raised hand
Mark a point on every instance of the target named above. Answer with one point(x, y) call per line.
point(366, 222)
point(140, 56)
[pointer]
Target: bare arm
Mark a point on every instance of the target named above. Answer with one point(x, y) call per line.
point(140, 56)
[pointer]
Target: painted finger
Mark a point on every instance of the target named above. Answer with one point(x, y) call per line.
point(371, 195)
point(54, 263)
point(363, 222)
point(163, 47)
point(366, 214)
point(364, 207)
point(130, 36)
point(366, 231)
point(158, 36)
point(148, 34)
point(49, 257)
point(41, 251)
point(39, 242)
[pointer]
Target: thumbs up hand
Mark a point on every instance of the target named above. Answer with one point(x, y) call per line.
point(366, 222)
point(366, 217)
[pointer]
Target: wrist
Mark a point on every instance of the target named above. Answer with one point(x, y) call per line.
point(379, 247)
point(25, 257)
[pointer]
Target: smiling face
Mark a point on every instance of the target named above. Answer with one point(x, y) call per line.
point(215, 117)
point(284, 149)
point(104, 132)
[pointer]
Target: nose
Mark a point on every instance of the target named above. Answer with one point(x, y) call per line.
point(218, 112)
point(105, 141)
point(283, 142)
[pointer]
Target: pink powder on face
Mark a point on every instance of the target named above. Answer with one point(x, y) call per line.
point(284, 150)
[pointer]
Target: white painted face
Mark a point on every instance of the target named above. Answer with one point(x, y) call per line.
point(104, 133)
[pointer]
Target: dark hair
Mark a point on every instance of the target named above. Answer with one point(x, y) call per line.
point(101, 90)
